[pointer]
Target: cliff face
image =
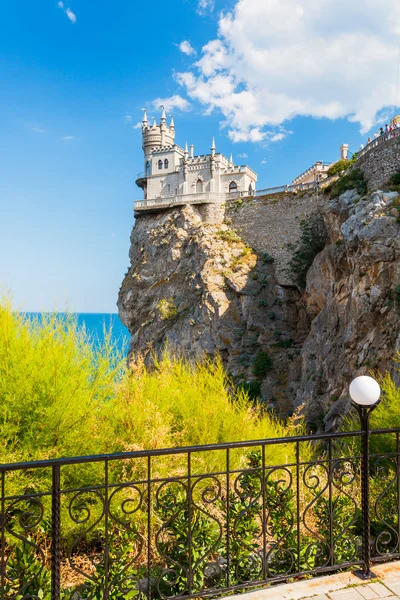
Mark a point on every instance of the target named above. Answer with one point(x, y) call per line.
point(353, 301)
point(198, 286)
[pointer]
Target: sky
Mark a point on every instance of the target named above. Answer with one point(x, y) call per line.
point(279, 83)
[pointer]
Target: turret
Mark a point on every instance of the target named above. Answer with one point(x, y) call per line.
point(156, 136)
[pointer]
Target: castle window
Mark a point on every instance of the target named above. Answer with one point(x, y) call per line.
point(148, 168)
point(199, 186)
point(166, 163)
point(168, 187)
point(160, 164)
point(233, 186)
point(250, 190)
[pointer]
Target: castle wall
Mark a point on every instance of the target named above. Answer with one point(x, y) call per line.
point(380, 163)
point(267, 224)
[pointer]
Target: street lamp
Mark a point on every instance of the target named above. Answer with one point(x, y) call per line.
point(365, 393)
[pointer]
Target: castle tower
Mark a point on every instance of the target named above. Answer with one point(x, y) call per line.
point(156, 136)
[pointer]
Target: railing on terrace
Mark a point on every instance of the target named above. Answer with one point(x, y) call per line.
point(170, 201)
point(379, 140)
point(198, 521)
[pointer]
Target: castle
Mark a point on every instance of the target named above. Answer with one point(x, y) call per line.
point(174, 176)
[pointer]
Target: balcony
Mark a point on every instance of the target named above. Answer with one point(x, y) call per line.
point(141, 179)
point(171, 201)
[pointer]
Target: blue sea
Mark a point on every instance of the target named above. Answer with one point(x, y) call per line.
point(96, 324)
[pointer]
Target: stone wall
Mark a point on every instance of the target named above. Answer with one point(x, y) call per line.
point(380, 163)
point(268, 224)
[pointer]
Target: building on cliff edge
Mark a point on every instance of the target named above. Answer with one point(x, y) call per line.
point(174, 176)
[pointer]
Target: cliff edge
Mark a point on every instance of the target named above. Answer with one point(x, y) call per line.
point(212, 278)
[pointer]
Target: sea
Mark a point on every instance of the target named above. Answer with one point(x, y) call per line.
point(96, 324)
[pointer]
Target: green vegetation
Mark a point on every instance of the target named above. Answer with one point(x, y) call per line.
point(313, 237)
point(229, 235)
point(354, 180)
point(266, 258)
point(395, 179)
point(59, 396)
point(262, 364)
point(167, 309)
point(340, 166)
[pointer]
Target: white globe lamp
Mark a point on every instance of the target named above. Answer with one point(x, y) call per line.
point(365, 391)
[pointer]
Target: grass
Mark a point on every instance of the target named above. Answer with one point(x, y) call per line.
point(59, 396)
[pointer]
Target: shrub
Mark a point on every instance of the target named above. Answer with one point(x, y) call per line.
point(313, 237)
point(339, 166)
point(167, 309)
point(262, 364)
point(229, 235)
point(349, 181)
point(395, 179)
point(266, 258)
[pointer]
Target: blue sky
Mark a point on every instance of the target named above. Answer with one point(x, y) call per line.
point(75, 77)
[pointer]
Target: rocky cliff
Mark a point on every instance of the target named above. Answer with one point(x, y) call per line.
point(203, 280)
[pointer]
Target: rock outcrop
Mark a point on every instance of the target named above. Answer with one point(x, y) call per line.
point(353, 301)
point(199, 287)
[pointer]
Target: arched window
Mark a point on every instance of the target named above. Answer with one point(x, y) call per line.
point(148, 168)
point(166, 163)
point(160, 164)
point(199, 186)
point(233, 186)
point(250, 190)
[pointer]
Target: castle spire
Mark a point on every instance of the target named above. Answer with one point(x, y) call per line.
point(144, 122)
point(172, 124)
point(213, 144)
point(154, 123)
point(186, 150)
point(163, 116)
point(230, 159)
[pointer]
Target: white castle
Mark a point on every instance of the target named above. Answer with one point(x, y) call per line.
point(174, 176)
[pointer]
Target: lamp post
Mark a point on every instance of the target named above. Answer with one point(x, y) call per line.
point(365, 393)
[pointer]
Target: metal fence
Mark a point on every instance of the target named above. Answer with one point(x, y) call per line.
point(199, 521)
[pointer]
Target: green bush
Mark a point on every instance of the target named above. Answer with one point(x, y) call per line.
point(262, 364)
point(350, 181)
point(395, 179)
point(313, 237)
point(339, 166)
point(167, 309)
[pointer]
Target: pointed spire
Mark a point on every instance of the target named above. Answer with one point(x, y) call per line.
point(230, 159)
point(186, 151)
point(213, 144)
point(172, 124)
point(144, 122)
point(154, 123)
point(163, 116)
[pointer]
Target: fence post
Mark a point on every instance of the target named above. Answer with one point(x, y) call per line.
point(56, 534)
point(364, 413)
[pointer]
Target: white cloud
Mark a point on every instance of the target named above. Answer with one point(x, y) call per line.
point(138, 125)
point(171, 103)
point(205, 6)
point(278, 59)
point(263, 162)
point(38, 129)
point(71, 16)
point(68, 138)
point(127, 119)
point(187, 48)
point(243, 155)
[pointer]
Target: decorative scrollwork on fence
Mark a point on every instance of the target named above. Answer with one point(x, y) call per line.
point(24, 565)
point(385, 516)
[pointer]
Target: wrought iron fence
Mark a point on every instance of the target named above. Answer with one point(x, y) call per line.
point(199, 521)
